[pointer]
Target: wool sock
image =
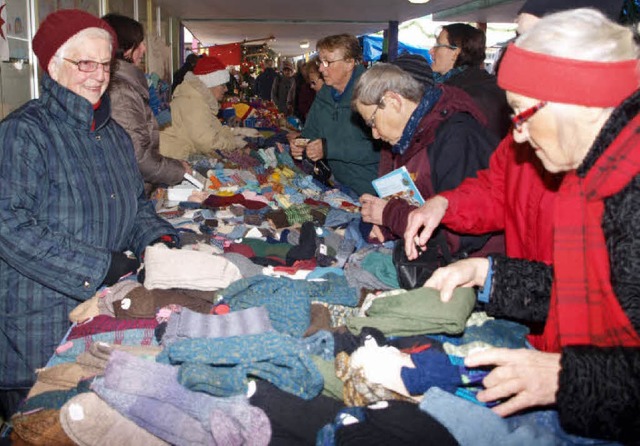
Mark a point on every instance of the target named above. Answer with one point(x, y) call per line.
point(306, 248)
point(40, 428)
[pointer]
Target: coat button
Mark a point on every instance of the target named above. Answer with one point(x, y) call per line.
point(113, 196)
point(86, 284)
point(98, 137)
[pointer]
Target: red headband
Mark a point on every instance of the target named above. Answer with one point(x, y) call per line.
point(569, 81)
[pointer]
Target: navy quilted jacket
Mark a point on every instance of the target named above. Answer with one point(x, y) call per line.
point(68, 196)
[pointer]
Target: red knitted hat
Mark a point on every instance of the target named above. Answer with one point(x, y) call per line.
point(211, 71)
point(60, 26)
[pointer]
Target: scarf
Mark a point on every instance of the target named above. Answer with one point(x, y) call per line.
point(442, 78)
point(584, 308)
point(428, 101)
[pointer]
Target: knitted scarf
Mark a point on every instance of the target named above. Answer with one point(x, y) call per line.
point(584, 308)
point(442, 78)
point(428, 101)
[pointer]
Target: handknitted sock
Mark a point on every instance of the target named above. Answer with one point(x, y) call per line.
point(89, 421)
point(85, 310)
point(188, 324)
point(306, 248)
point(116, 292)
point(320, 319)
point(135, 376)
point(103, 323)
point(144, 303)
point(97, 356)
point(40, 428)
point(160, 418)
point(60, 377)
point(433, 367)
point(247, 267)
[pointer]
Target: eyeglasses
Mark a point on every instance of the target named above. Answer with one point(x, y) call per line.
point(326, 63)
point(371, 122)
point(444, 45)
point(89, 66)
point(522, 117)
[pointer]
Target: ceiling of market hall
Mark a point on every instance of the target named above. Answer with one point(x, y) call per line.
point(290, 22)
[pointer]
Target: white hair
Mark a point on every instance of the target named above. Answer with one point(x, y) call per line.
point(582, 34)
point(76, 41)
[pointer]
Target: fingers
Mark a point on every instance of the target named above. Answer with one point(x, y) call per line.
point(413, 225)
point(492, 356)
point(426, 233)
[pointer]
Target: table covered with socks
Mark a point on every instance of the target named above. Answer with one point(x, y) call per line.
point(276, 322)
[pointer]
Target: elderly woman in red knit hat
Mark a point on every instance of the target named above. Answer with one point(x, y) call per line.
point(195, 127)
point(572, 82)
point(71, 198)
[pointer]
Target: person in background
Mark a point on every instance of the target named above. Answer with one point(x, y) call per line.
point(588, 126)
point(71, 198)
point(265, 80)
point(130, 106)
point(281, 87)
point(188, 65)
point(316, 82)
point(302, 95)
point(458, 57)
point(195, 127)
point(335, 133)
point(435, 132)
point(233, 86)
point(515, 194)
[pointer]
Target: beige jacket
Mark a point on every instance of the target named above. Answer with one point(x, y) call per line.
point(195, 127)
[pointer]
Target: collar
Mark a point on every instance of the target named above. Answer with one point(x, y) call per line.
point(428, 101)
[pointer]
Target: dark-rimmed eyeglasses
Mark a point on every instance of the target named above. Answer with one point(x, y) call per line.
point(522, 117)
point(326, 63)
point(444, 45)
point(371, 122)
point(89, 66)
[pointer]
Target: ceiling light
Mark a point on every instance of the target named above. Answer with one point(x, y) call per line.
point(418, 1)
point(304, 44)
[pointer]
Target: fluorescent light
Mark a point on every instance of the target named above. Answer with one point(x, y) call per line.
point(418, 1)
point(304, 44)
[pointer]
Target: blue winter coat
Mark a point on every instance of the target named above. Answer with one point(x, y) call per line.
point(69, 196)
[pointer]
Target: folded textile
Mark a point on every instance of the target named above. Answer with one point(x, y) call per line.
point(90, 421)
point(188, 324)
point(103, 323)
point(277, 358)
point(144, 303)
point(174, 268)
point(39, 428)
point(418, 311)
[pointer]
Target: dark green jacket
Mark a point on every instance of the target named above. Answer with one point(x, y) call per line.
point(352, 153)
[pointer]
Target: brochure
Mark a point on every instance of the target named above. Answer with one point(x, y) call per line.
point(398, 183)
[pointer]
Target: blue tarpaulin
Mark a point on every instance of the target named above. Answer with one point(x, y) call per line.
point(372, 49)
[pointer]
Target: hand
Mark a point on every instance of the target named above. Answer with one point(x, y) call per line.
point(120, 266)
point(314, 150)
point(429, 216)
point(186, 166)
point(466, 273)
point(372, 209)
point(291, 136)
point(527, 378)
point(376, 234)
point(297, 150)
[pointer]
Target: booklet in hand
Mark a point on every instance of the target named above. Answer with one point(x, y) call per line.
point(398, 183)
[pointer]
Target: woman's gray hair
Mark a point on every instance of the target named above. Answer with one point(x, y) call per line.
point(582, 34)
point(77, 40)
point(384, 77)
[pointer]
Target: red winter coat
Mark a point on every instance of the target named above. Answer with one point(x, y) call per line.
point(515, 195)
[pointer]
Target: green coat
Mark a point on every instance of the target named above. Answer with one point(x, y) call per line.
point(350, 150)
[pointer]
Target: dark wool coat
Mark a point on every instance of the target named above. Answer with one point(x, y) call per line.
point(599, 388)
point(449, 145)
point(69, 196)
point(490, 98)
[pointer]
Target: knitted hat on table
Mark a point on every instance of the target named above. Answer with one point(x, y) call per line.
point(59, 27)
point(211, 71)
